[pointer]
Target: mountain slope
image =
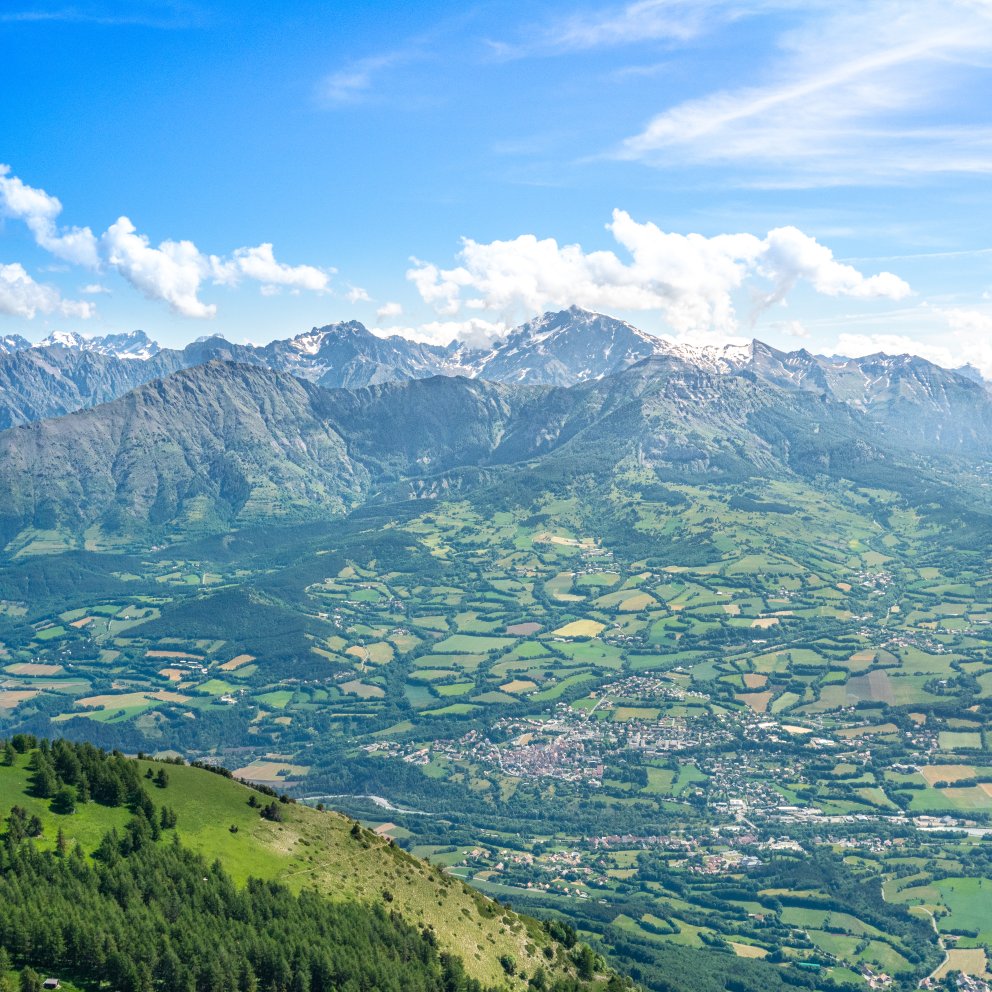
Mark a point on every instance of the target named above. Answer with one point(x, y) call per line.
point(227, 444)
point(323, 856)
point(349, 355)
point(916, 402)
point(562, 349)
point(207, 445)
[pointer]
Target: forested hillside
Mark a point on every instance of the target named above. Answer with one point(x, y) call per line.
point(105, 881)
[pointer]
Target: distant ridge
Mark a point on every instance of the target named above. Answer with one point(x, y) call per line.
point(68, 372)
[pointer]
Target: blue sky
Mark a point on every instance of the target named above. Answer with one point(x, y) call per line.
point(810, 173)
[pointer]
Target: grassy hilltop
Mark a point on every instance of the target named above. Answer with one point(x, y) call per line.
point(305, 850)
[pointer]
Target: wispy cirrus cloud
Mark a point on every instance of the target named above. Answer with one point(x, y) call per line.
point(354, 81)
point(671, 22)
point(859, 93)
point(167, 14)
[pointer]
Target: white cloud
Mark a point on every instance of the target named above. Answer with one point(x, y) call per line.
point(972, 330)
point(389, 310)
point(167, 14)
point(858, 345)
point(94, 289)
point(637, 23)
point(859, 92)
point(172, 272)
point(259, 263)
point(968, 341)
point(691, 279)
point(175, 271)
point(791, 328)
point(356, 294)
point(38, 210)
point(21, 296)
point(353, 82)
point(476, 332)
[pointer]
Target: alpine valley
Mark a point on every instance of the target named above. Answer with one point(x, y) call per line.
point(674, 662)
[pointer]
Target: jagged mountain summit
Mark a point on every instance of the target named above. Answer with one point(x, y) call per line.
point(131, 344)
point(13, 342)
point(348, 354)
point(562, 348)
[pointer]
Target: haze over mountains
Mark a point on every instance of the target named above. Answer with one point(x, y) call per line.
point(219, 434)
point(68, 372)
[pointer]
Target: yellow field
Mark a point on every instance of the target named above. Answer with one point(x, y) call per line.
point(763, 623)
point(518, 686)
point(270, 772)
point(10, 698)
point(946, 773)
point(82, 622)
point(747, 950)
point(363, 691)
point(33, 668)
point(124, 700)
point(380, 653)
point(172, 674)
point(758, 701)
point(970, 960)
point(568, 542)
point(234, 663)
point(754, 680)
point(580, 628)
point(174, 654)
point(636, 603)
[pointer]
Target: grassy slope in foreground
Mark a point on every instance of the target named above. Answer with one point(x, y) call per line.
point(312, 849)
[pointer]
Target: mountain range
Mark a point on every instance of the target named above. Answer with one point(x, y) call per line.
point(224, 443)
point(68, 372)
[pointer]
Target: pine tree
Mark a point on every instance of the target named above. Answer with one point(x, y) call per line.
point(64, 801)
point(30, 981)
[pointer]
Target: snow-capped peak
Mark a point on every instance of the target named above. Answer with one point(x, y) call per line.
point(64, 339)
point(131, 344)
point(712, 357)
point(10, 343)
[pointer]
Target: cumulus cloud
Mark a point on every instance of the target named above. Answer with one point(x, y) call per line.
point(38, 210)
point(389, 310)
point(967, 341)
point(175, 271)
point(972, 330)
point(172, 272)
point(21, 296)
point(690, 279)
point(356, 294)
point(259, 263)
point(476, 332)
